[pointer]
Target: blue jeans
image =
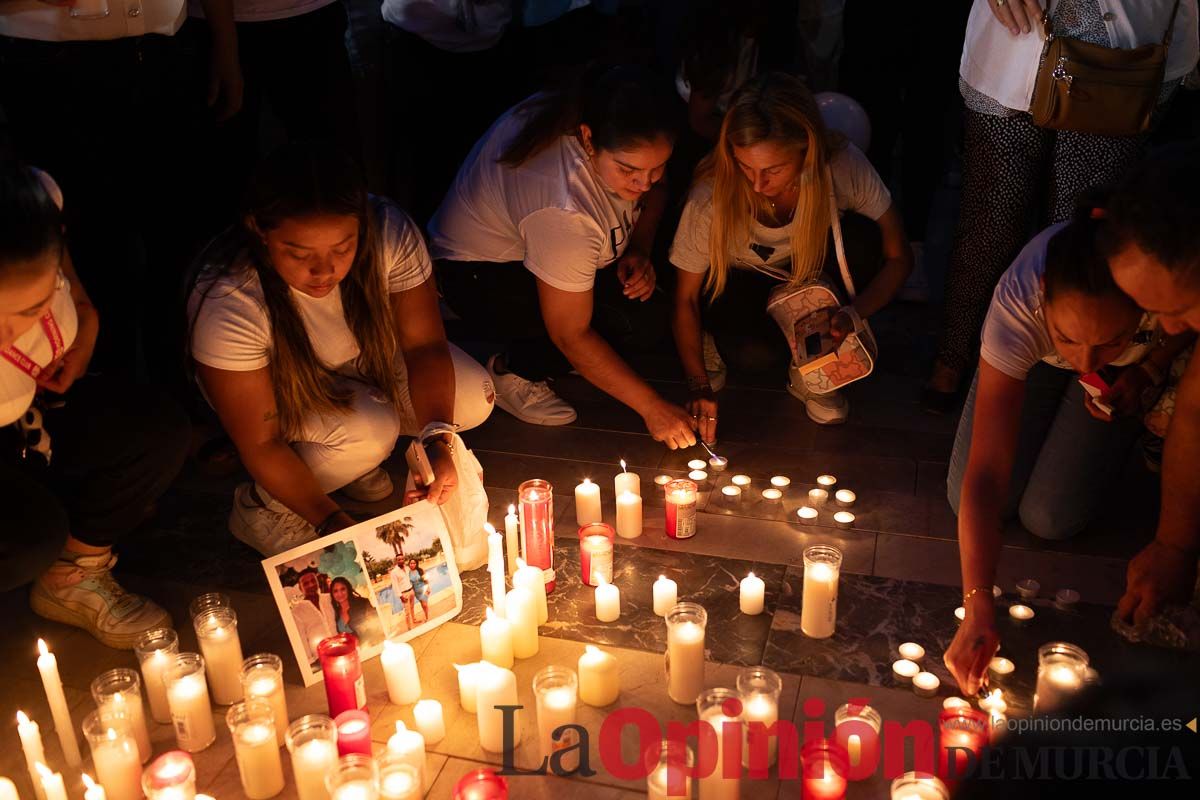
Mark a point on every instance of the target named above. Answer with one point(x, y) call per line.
point(1066, 462)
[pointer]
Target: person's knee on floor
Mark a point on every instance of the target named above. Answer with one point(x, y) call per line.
point(1042, 515)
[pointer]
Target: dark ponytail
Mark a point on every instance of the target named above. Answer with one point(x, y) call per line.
point(30, 220)
point(1075, 259)
point(622, 105)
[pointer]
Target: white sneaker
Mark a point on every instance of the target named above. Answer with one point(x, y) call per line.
point(269, 529)
point(831, 408)
point(82, 592)
point(714, 365)
point(529, 401)
point(376, 485)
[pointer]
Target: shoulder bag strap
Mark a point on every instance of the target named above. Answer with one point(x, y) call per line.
point(1171, 24)
point(836, 224)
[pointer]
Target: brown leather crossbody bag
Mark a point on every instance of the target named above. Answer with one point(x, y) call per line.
point(1093, 89)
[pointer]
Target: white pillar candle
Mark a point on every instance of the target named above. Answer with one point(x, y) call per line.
point(781, 481)
point(587, 503)
point(750, 599)
point(904, 670)
point(400, 672)
point(47, 665)
point(715, 785)
point(533, 579)
point(697, 463)
point(912, 651)
point(772, 495)
point(91, 789)
point(512, 538)
point(629, 515)
point(408, 747)
point(666, 595)
point(429, 719)
point(191, 709)
point(217, 633)
point(495, 687)
point(52, 783)
point(31, 744)
point(818, 610)
point(257, 754)
point(608, 601)
point(262, 679)
point(806, 513)
point(741, 480)
point(685, 656)
point(626, 481)
point(468, 685)
point(312, 741)
point(522, 615)
point(698, 475)
point(599, 681)
point(496, 567)
point(925, 684)
point(496, 640)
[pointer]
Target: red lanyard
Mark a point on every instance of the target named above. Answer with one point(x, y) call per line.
point(26, 364)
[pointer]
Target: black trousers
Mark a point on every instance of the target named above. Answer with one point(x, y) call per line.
point(116, 449)
point(501, 299)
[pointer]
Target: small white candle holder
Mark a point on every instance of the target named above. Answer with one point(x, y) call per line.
point(960, 613)
point(662, 480)
point(912, 651)
point(817, 497)
point(925, 684)
point(772, 495)
point(697, 463)
point(826, 482)
point(1000, 668)
point(806, 513)
point(996, 591)
point(951, 703)
point(732, 493)
point(904, 670)
point(845, 498)
point(1065, 599)
point(741, 480)
point(843, 519)
point(698, 475)
point(1028, 589)
point(1020, 614)
point(718, 463)
point(781, 481)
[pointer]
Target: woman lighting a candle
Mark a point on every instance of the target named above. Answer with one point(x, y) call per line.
point(311, 321)
point(1031, 442)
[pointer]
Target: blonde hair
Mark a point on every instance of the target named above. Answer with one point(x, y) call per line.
point(774, 107)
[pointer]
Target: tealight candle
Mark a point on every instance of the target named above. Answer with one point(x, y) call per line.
point(587, 503)
point(495, 641)
point(1066, 599)
point(843, 519)
point(904, 670)
point(608, 601)
point(1000, 668)
point(817, 497)
point(912, 652)
point(1020, 614)
point(845, 497)
point(662, 480)
point(781, 481)
point(698, 475)
point(353, 732)
point(399, 663)
point(666, 594)
point(468, 682)
point(629, 515)
point(954, 702)
point(1028, 589)
point(826, 482)
point(430, 722)
point(626, 481)
point(732, 492)
point(718, 463)
point(252, 727)
point(599, 681)
point(741, 480)
point(806, 512)
point(47, 665)
point(960, 613)
point(312, 741)
point(751, 596)
point(697, 463)
point(925, 684)
point(772, 495)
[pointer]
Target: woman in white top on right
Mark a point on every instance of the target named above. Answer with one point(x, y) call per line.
point(1018, 177)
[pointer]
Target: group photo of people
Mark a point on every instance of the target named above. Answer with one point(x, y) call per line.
point(280, 239)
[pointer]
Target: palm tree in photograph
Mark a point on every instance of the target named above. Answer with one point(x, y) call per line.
point(394, 533)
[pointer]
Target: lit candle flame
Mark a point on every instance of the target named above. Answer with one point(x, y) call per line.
point(401, 727)
point(88, 782)
point(590, 649)
point(42, 770)
point(601, 581)
point(512, 509)
point(587, 480)
point(490, 614)
point(22, 718)
point(521, 563)
point(42, 649)
point(751, 575)
point(623, 466)
point(662, 577)
point(489, 528)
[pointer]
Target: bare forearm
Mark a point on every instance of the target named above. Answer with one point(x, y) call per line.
point(685, 325)
point(277, 468)
point(880, 291)
point(599, 364)
point(641, 239)
point(1179, 519)
point(431, 382)
point(219, 15)
point(979, 529)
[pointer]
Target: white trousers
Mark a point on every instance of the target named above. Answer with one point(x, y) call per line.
point(343, 447)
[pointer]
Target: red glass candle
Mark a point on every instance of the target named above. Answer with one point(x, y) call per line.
point(344, 688)
point(823, 764)
point(596, 552)
point(962, 735)
point(681, 509)
point(482, 784)
point(353, 732)
point(535, 500)
point(171, 775)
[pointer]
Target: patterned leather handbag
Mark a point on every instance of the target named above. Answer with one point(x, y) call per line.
point(803, 313)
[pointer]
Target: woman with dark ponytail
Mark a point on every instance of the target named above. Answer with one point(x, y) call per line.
point(559, 188)
point(317, 339)
point(1033, 442)
point(82, 458)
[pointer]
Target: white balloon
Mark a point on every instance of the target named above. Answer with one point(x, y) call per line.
point(843, 114)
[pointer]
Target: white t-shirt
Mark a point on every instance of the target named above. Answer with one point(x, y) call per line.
point(457, 26)
point(233, 330)
point(553, 212)
point(17, 387)
point(1015, 336)
point(856, 185)
point(263, 10)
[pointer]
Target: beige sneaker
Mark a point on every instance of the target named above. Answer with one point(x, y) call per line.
point(84, 593)
point(271, 528)
point(830, 408)
point(376, 485)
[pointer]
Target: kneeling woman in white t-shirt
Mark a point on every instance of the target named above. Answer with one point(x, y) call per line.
point(758, 217)
point(318, 341)
point(1032, 442)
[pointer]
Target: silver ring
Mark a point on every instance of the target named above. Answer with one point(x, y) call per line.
point(1000, 3)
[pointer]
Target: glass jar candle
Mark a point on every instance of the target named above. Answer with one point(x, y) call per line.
point(962, 735)
point(217, 633)
point(171, 776)
point(918, 786)
point(119, 691)
point(481, 784)
point(718, 708)
point(535, 500)
point(344, 687)
point(207, 602)
point(818, 610)
point(1062, 672)
point(856, 728)
point(114, 753)
point(398, 780)
point(759, 689)
point(354, 777)
point(262, 679)
point(312, 743)
point(670, 764)
point(155, 651)
point(823, 770)
point(680, 508)
point(255, 748)
point(191, 708)
point(556, 692)
point(686, 625)
point(596, 553)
